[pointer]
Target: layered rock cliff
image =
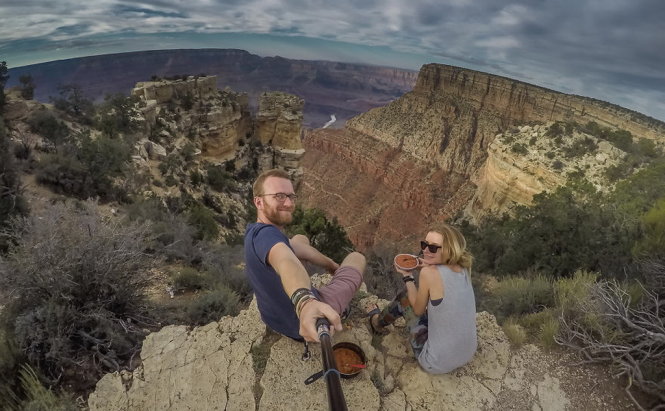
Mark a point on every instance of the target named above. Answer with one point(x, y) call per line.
point(220, 124)
point(279, 125)
point(422, 157)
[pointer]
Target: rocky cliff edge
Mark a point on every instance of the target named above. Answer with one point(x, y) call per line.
point(237, 364)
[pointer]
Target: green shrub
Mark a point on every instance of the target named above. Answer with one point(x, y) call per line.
point(581, 147)
point(507, 138)
point(203, 219)
point(196, 178)
point(88, 168)
point(555, 130)
point(327, 236)
point(548, 332)
point(188, 151)
point(170, 181)
point(520, 295)
point(188, 278)
point(219, 179)
point(40, 398)
point(212, 306)
point(557, 165)
point(65, 174)
point(519, 148)
point(653, 225)
point(515, 333)
point(45, 124)
point(117, 115)
point(574, 227)
point(618, 172)
point(171, 164)
point(569, 292)
point(74, 102)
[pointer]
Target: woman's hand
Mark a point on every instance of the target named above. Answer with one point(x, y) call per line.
point(403, 272)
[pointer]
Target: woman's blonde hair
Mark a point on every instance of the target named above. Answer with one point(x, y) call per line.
point(454, 244)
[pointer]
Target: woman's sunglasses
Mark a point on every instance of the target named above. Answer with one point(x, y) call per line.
point(433, 248)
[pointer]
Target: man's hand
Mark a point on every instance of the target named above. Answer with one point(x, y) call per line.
point(313, 310)
point(332, 266)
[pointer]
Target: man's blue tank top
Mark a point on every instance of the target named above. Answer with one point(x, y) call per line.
point(275, 306)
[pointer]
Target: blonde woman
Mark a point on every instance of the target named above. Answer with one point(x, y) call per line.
point(443, 335)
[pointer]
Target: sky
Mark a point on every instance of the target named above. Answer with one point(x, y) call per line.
point(612, 50)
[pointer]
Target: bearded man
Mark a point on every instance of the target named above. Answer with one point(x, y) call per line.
point(286, 299)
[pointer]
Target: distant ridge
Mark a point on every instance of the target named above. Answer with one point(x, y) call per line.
point(343, 89)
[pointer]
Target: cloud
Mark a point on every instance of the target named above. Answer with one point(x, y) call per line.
point(613, 45)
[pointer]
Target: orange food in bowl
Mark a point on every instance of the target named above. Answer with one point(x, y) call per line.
point(344, 358)
point(406, 261)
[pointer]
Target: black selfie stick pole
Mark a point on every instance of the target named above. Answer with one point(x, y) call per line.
point(336, 399)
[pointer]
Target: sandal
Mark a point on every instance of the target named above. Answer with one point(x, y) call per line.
point(375, 311)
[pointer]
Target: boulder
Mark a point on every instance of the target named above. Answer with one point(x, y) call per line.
point(220, 366)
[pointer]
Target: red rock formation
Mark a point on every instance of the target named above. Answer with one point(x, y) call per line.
point(395, 169)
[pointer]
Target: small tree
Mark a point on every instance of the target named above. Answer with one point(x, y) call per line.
point(45, 124)
point(3, 80)
point(73, 101)
point(27, 86)
point(117, 115)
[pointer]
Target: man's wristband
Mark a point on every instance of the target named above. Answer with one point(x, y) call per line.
point(408, 278)
point(303, 302)
point(298, 294)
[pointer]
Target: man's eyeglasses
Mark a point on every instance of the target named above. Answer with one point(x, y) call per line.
point(433, 248)
point(281, 197)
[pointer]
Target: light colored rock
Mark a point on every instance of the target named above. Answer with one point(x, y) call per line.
point(211, 367)
point(155, 151)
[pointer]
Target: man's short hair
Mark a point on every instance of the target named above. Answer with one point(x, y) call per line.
point(257, 188)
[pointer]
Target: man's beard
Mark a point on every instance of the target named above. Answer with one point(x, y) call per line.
point(279, 217)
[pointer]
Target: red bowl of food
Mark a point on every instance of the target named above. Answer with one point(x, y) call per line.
point(406, 261)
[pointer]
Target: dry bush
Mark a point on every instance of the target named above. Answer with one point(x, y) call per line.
point(76, 283)
point(606, 326)
point(380, 276)
point(225, 264)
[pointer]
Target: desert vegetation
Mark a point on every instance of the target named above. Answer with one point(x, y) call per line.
point(585, 270)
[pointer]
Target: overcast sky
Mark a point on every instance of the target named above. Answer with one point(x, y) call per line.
point(612, 50)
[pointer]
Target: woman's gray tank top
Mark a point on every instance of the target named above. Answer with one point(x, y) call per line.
point(452, 339)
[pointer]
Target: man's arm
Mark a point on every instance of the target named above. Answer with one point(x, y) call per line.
point(308, 253)
point(294, 276)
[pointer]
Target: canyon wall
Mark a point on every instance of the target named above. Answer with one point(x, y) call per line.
point(327, 87)
point(520, 102)
point(422, 158)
